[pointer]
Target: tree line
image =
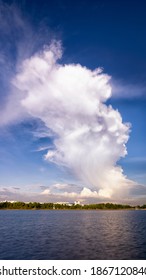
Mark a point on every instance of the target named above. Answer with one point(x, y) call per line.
point(58, 206)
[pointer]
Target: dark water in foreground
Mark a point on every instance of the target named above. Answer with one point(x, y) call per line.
point(72, 234)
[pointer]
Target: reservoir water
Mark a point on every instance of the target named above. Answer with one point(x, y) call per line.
point(60, 235)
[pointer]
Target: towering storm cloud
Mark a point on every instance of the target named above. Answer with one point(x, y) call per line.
point(89, 136)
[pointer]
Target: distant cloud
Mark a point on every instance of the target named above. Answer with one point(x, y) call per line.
point(46, 191)
point(127, 91)
point(136, 159)
point(43, 148)
point(85, 193)
point(138, 191)
point(135, 195)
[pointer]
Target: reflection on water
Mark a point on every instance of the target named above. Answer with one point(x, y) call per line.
point(72, 234)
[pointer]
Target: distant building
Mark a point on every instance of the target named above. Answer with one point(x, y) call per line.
point(64, 203)
point(78, 203)
point(11, 201)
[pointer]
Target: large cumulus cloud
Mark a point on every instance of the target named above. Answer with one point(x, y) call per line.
point(89, 136)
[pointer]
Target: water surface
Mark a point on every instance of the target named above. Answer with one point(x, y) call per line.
point(49, 234)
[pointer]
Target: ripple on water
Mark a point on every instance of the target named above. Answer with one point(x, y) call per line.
point(73, 234)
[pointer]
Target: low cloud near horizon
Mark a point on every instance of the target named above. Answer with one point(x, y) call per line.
point(62, 192)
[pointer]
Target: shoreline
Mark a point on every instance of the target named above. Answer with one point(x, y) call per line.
point(132, 209)
point(19, 205)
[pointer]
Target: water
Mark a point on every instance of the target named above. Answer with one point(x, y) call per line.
point(72, 234)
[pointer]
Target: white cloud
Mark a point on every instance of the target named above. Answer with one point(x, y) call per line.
point(127, 91)
point(43, 148)
point(46, 192)
point(89, 137)
point(19, 39)
point(69, 192)
point(84, 193)
point(87, 193)
point(61, 186)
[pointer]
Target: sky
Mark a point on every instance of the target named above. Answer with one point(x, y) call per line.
point(72, 101)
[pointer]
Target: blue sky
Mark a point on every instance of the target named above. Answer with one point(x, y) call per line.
point(39, 161)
